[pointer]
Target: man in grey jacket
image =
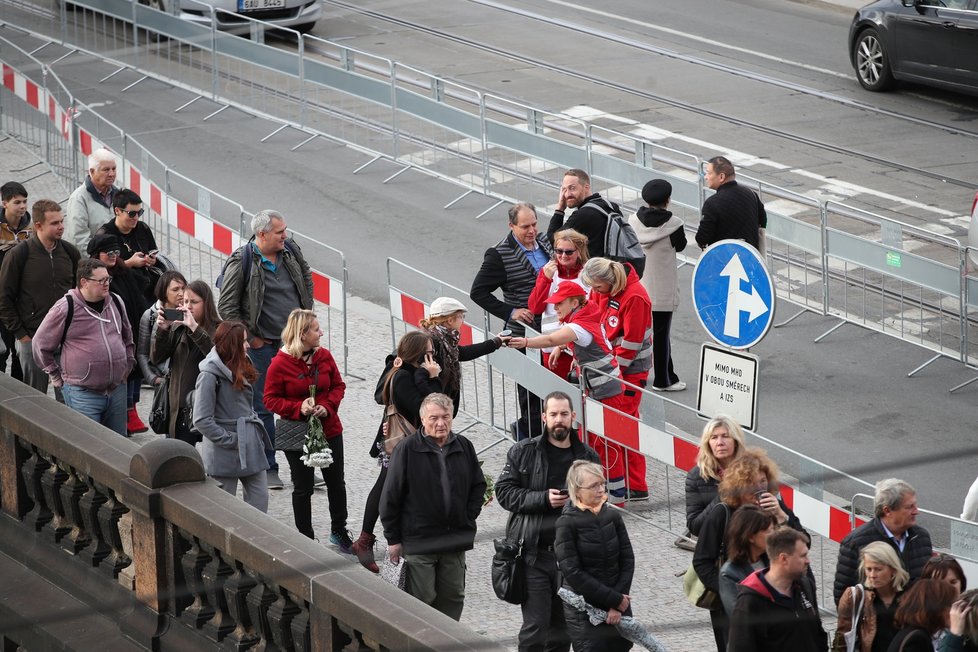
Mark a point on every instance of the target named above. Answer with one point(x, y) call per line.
point(90, 204)
point(276, 282)
point(533, 488)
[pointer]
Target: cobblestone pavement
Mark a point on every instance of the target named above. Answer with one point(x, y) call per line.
point(657, 595)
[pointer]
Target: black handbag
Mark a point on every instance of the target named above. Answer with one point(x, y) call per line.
point(290, 435)
point(159, 414)
point(508, 573)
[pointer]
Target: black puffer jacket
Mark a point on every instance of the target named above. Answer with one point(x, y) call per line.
point(595, 555)
point(701, 494)
point(916, 552)
point(522, 488)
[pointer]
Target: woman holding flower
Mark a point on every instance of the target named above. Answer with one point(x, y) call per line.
point(304, 388)
point(234, 439)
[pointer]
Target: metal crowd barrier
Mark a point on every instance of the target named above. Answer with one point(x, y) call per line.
point(827, 257)
point(196, 227)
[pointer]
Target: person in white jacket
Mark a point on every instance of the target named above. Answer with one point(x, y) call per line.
point(662, 236)
point(970, 512)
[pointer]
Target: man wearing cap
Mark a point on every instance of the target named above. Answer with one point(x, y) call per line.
point(512, 265)
point(97, 350)
point(34, 275)
point(733, 212)
point(662, 236)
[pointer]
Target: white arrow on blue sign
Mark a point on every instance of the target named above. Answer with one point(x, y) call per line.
point(733, 294)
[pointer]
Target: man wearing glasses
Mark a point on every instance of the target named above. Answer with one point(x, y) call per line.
point(35, 274)
point(90, 326)
point(137, 243)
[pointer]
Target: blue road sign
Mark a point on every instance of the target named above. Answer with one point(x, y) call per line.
point(733, 294)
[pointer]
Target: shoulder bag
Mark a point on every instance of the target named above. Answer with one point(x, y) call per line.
point(846, 641)
point(508, 573)
point(696, 592)
point(159, 414)
point(397, 426)
point(290, 434)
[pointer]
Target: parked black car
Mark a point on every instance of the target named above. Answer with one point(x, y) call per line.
point(932, 42)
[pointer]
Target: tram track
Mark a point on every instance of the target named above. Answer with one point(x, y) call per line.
point(689, 107)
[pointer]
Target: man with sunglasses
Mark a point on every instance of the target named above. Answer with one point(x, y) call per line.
point(90, 326)
point(137, 248)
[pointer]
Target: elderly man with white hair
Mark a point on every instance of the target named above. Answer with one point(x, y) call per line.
point(90, 205)
point(895, 523)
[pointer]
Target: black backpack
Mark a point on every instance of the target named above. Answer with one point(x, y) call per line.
point(620, 240)
point(247, 256)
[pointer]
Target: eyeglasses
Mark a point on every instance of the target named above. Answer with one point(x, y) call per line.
point(112, 252)
point(103, 281)
point(565, 252)
point(138, 213)
point(597, 486)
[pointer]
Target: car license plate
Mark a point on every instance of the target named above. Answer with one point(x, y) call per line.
point(258, 5)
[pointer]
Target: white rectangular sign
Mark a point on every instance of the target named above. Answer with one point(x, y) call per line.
point(728, 384)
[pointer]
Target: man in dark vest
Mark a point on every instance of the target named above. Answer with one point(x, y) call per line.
point(512, 265)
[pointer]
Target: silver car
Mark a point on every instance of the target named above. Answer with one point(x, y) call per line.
point(300, 15)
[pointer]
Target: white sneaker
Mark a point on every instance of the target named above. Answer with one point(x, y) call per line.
point(677, 386)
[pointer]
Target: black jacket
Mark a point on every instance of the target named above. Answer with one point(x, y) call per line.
point(760, 622)
point(595, 555)
point(734, 212)
point(410, 385)
point(916, 553)
point(912, 639)
point(710, 541)
point(701, 494)
point(586, 220)
point(493, 275)
point(412, 507)
point(31, 282)
point(522, 488)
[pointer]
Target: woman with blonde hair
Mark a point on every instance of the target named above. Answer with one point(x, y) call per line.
point(304, 381)
point(443, 324)
point(875, 598)
point(721, 443)
point(570, 254)
point(752, 479)
point(595, 558)
point(626, 317)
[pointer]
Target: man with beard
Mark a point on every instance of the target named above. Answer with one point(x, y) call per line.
point(590, 215)
point(533, 487)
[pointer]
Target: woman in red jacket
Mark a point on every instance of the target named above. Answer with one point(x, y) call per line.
point(627, 322)
point(570, 249)
point(299, 364)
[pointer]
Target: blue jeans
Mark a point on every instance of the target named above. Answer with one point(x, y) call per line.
point(262, 358)
point(107, 409)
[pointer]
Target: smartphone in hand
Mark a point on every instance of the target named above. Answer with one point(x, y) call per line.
point(172, 314)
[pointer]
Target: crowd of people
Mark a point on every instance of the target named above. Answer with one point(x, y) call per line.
point(243, 375)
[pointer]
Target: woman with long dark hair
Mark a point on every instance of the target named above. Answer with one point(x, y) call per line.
point(169, 296)
point(185, 342)
point(409, 376)
point(747, 536)
point(299, 365)
point(234, 439)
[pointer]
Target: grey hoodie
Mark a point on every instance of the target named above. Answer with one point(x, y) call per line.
point(234, 439)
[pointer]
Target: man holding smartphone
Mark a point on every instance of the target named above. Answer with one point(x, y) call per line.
point(137, 243)
point(533, 487)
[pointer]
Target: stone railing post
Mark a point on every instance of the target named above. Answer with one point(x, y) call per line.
point(158, 464)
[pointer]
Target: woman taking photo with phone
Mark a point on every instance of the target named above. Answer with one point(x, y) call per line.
point(185, 342)
point(169, 296)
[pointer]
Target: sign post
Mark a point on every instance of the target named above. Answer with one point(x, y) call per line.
point(733, 296)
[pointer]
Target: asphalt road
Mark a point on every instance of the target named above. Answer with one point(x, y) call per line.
point(846, 401)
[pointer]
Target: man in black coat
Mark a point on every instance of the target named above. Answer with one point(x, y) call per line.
point(533, 488)
point(512, 264)
point(733, 212)
point(895, 506)
point(776, 608)
point(575, 192)
point(432, 497)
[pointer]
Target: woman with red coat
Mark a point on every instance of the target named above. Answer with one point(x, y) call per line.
point(570, 249)
point(581, 332)
point(299, 364)
point(627, 321)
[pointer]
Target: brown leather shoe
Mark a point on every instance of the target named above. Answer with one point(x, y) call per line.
point(363, 548)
